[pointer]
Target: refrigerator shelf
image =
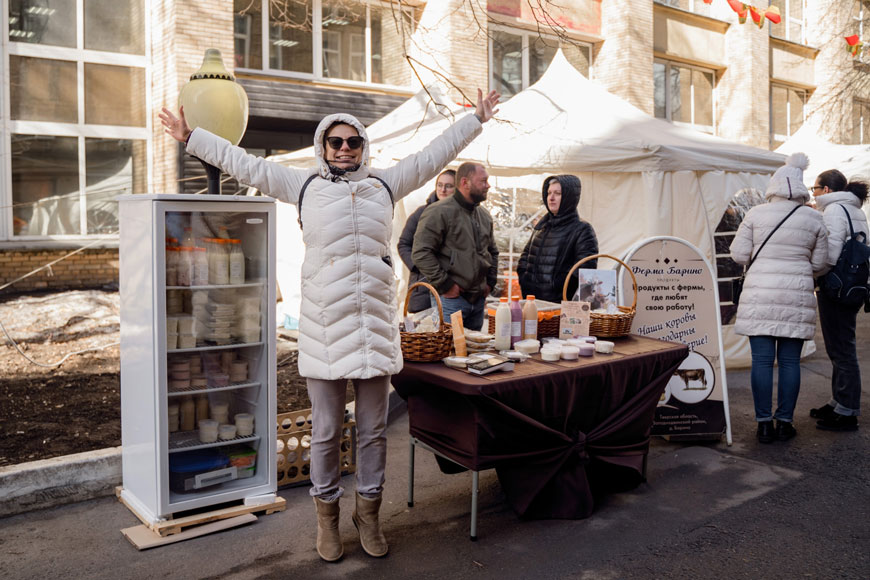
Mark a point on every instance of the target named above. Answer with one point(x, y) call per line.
point(189, 440)
point(206, 390)
point(217, 286)
point(215, 347)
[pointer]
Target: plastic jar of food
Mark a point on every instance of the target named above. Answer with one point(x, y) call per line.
point(244, 424)
point(220, 411)
point(171, 266)
point(227, 431)
point(208, 431)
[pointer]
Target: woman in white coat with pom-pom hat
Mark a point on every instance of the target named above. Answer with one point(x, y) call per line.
point(777, 309)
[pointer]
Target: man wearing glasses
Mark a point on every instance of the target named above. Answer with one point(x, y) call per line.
point(349, 323)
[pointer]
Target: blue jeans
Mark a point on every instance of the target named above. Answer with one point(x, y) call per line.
point(472, 314)
point(787, 352)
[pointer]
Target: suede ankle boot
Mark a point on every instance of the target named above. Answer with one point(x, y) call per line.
point(328, 538)
point(365, 518)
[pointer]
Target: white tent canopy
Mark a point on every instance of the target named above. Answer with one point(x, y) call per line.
point(641, 176)
point(852, 160)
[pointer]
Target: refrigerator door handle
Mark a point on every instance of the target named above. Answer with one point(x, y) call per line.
point(215, 477)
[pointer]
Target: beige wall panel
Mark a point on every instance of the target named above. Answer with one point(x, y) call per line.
point(686, 40)
point(790, 67)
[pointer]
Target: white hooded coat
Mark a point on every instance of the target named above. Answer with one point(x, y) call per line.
point(349, 322)
point(836, 222)
point(778, 297)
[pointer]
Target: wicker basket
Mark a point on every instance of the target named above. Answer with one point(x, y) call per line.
point(426, 346)
point(608, 325)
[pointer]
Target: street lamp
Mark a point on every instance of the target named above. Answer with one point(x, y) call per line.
point(214, 101)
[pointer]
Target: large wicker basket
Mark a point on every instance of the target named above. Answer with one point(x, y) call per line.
point(608, 325)
point(426, 346)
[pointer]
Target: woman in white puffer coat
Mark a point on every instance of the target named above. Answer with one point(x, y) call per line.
point(349, 324)
point(777, 309)
point(834, 194)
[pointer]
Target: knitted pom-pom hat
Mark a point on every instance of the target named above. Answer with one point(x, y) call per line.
point(788, 181)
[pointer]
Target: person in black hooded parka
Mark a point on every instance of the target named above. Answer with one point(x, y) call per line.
point(560, 240)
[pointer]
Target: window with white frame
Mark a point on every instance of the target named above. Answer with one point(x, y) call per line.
point(860, 122)
point(518, 58)
point(791, 27)
point(76, 123)
point(356, 41)
point(696, 6)
point(786, 113)
point(683, 94)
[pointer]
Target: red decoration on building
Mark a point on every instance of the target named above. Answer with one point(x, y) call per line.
point(855, 44)
point(772, 14)
point(737, 6)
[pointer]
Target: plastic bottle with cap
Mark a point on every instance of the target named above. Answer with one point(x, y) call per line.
point(516, 320)
point(187, 239)
point(502, 325)
point(236, 262)
point(530, 317)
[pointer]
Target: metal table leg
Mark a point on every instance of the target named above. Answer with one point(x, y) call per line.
point(475, 481)
point(411, 472)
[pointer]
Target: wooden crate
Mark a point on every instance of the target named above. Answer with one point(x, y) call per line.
point(294, 447)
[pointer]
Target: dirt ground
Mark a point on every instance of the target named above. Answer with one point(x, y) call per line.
point(76, 406)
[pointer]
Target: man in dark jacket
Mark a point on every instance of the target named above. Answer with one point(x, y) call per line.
point(560, 240)
point(445, 186)
point(454, 247)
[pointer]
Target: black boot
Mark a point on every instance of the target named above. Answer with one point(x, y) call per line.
point(785, 431)
point(765, 431)
point(822, 412)
point(837, 422)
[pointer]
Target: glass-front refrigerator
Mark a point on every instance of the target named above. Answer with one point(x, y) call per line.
point(198, 390)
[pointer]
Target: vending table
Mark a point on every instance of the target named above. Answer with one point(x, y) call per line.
point(557, 433)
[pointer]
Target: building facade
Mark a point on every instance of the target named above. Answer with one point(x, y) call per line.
point(84, 80)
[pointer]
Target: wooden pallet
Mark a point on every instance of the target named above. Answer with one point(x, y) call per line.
point(178, 524)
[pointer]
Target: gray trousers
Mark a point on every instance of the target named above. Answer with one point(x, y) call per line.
point(327, 421)
point(838, 324)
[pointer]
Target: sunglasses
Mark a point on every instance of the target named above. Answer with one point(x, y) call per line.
point(354, 142)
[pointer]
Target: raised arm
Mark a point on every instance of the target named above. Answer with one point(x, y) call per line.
point(269, 177)
point(415, 170)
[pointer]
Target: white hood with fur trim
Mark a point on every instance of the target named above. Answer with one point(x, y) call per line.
point(349, 324)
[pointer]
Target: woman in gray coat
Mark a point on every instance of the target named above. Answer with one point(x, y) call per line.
point(777, 309)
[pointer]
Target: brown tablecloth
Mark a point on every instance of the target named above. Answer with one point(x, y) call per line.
point(556, 438)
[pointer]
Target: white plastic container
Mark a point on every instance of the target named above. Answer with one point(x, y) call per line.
point(570, 352)
point(586, 349)
point(208, 431)
point(528, 346)
point(551, 354)
point(226, 432)
point(603, 346)
point(244, 424)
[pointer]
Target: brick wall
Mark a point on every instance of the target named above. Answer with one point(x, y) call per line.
point(87, 269)
point(182, 31)
point(624, 61)
point(743, 104)
point(451, 40)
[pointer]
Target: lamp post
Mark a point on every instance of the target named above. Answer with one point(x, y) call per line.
point(214, 101)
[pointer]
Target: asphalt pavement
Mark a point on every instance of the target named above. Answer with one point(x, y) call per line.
point(798, 509)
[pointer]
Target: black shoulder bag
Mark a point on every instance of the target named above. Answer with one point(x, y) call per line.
point(737, 283)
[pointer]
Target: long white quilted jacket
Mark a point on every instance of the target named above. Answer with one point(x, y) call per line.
point(778, 297)
point(349, 323)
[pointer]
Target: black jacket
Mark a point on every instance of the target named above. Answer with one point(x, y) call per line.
point(420, 296)
point(558, 242)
